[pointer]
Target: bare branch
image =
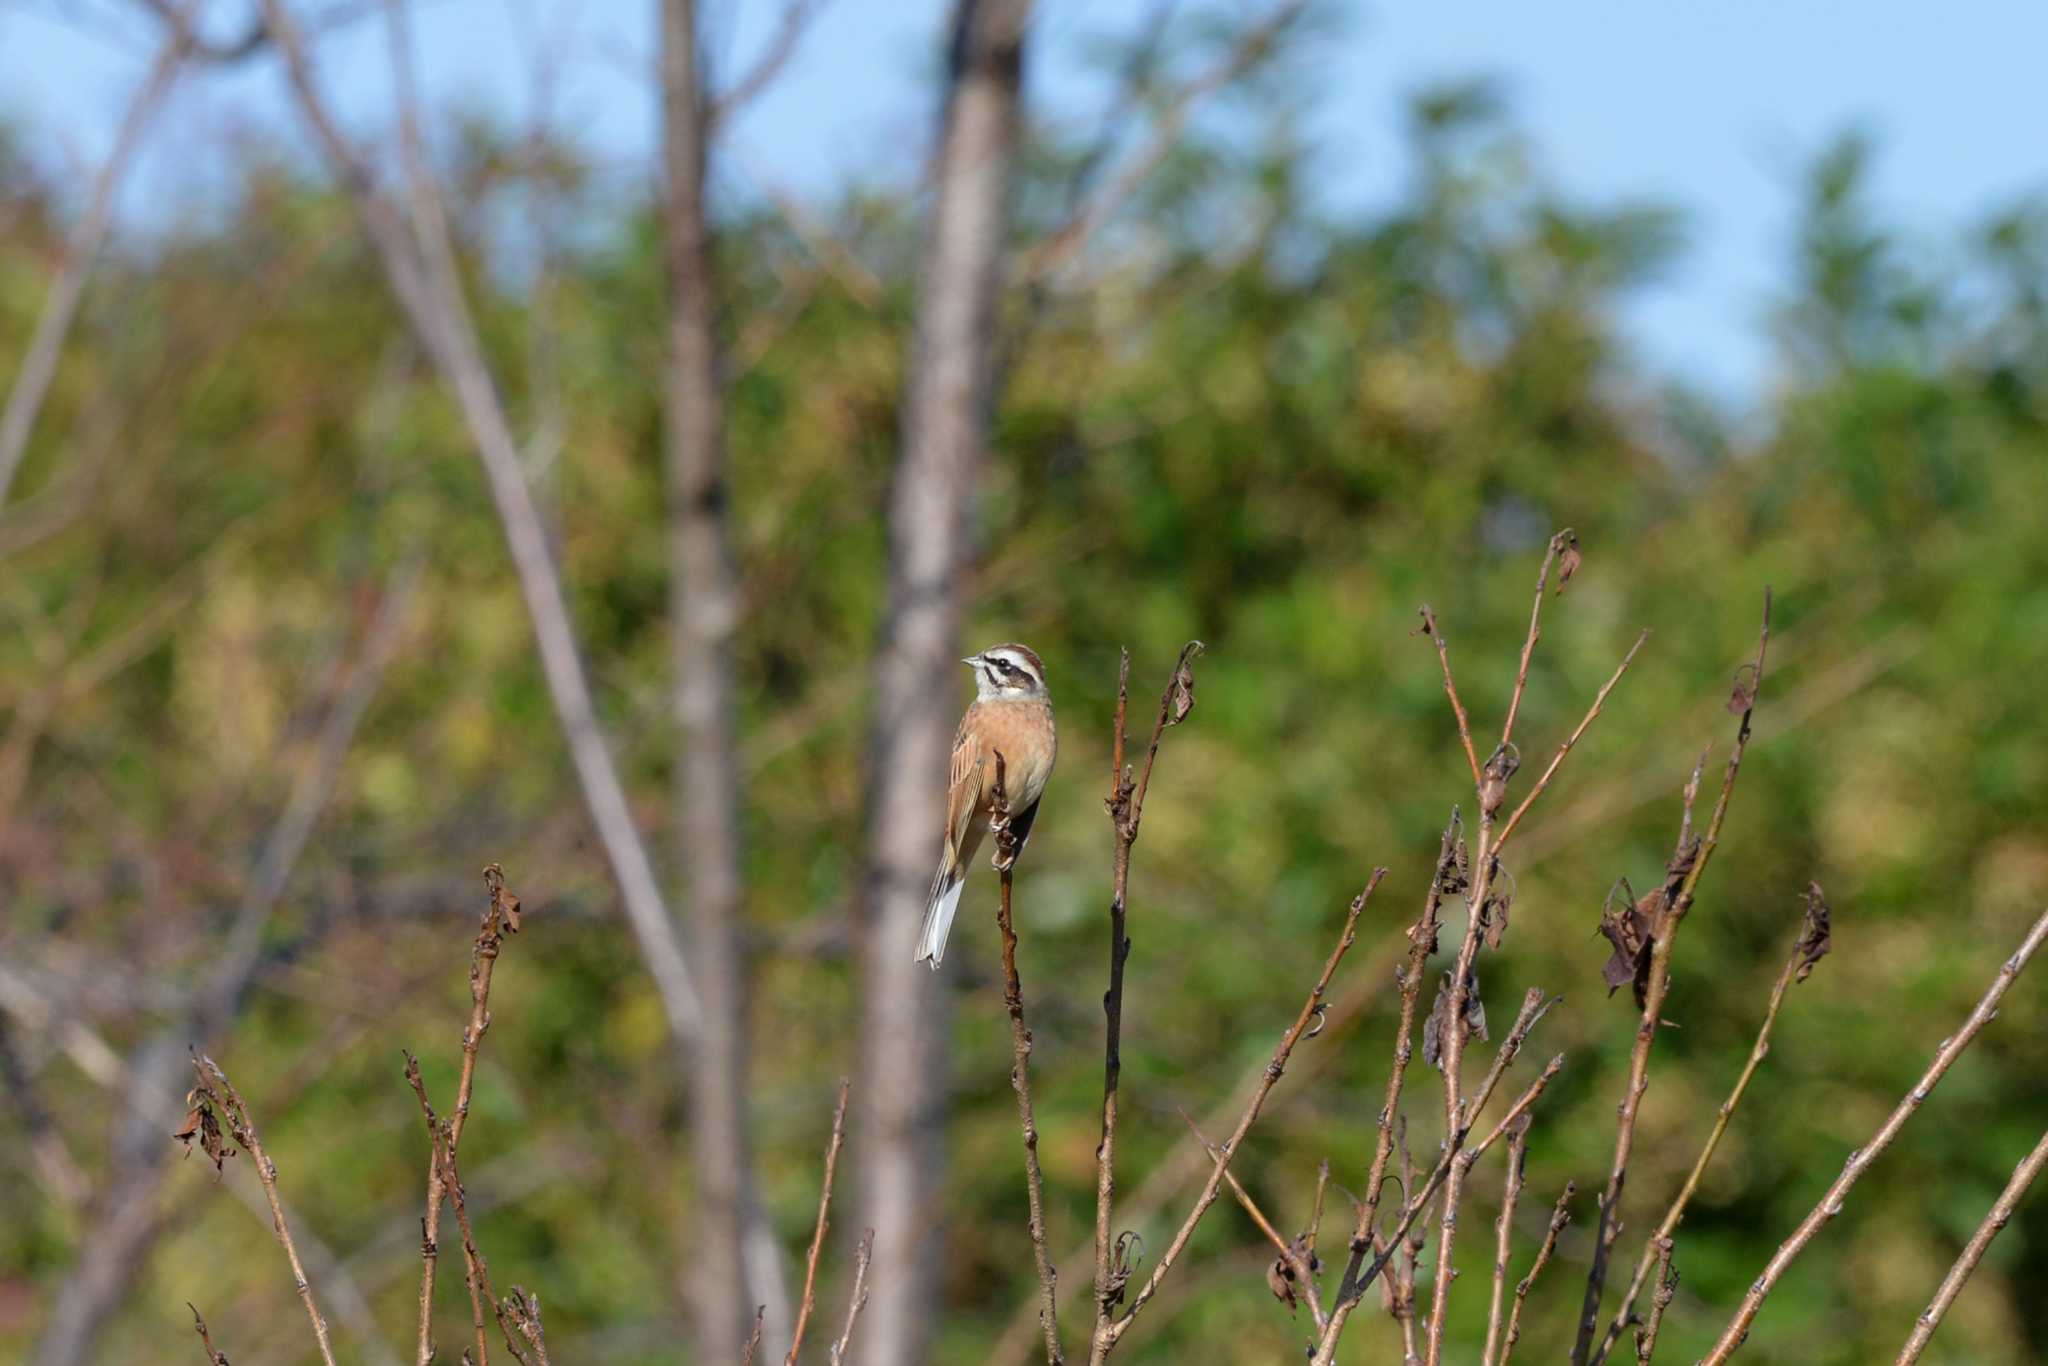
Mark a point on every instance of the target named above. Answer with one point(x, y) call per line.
point(1106, 1339)
point(1559, 1217)
point(796, 17)
point(1861, 1159)
point(213, 1354)
point(500, 919)
point(809, 1301)
point(60, 306)
point(1688, 864)
point(1599, 701)
point(1020, 1066)
point(1667, 1286)
point(1797, 963)
point(1295, 1261)
point(1535, 633)
point(1503, 1231)
point(857, 1298)
point(1443, 655)
point(1973, 1251)
point(1126, 806)
point(433, 303)
point(215, 1090)
point(1257, 39)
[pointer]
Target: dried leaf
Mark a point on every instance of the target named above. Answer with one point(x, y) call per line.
point(1183, 699)
point(1742, 696)
point(202, 1125)
point(1816, 938)
point(1568, 558)
point(1626, 923)
point(1440, 1014)
point(1493, 918)
point(1280, 1280)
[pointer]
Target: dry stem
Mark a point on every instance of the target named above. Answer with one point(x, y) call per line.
point(1860, 1160)
point(857, 1298)
point(1503, 1231)
point(213, 1355)
point(1020, 1064)
point(501, 917)
point(1107, 1336)
point(803, 1313)
point(1688, 864)
point(1126, 806)
point(1667, 1286)
point(1560, 1215)
point(1973, 1251)
point(227, 1102)
point(1673, 1216)
point(1492, 790)
point(1298, 1260)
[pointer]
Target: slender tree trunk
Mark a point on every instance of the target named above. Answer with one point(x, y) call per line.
point(729, 1274)
point(917, 695)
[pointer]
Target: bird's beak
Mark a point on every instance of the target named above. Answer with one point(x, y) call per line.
point(971, 660)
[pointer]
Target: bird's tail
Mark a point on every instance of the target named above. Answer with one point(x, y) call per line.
point(938, 912)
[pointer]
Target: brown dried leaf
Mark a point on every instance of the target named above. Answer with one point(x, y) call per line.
point(202, 1125)
point(1568, 559)
point(1280, 1280)
point(1816, 938)
point(1627, 923)
point(1742, 696)
point(1440, 1014)
point(1183, 700)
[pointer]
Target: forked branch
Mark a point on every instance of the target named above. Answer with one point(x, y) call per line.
point(1861, 1159)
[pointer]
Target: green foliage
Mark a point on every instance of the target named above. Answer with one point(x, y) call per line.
point(1280, 442)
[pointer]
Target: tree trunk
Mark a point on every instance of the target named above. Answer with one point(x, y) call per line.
point(917, 694)
point(704, 611)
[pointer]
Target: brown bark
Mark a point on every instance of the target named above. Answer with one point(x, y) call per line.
point(704, 611)
point(945, 425)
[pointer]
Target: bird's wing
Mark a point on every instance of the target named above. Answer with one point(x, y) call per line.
point(963, 789)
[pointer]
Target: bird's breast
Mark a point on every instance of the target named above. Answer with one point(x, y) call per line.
point(1023, 733)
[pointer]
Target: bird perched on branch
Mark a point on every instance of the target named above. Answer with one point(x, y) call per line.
point(1011, 715)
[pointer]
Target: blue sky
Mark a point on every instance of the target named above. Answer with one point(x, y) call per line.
point(1712, 107)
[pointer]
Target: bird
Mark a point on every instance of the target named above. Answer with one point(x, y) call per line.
point(1012, 715)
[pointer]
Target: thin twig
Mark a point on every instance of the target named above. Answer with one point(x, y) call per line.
point(1020, 1065)
point(796, 17)
point(500, 919)
point(227, 1102)
point(857, 1298)
point(1454, 1159)
point(1676, 1214)
point(1492, 791)
point(1422, 942)
point(1503, 1241)
point(1443, 654)
point(1296, 1259)
point(1861, 1159)
point(1126, 806)
point(1599, 701)
point(753, 1343)
point(1535, 633)
point(478, 1271)
point(1251, 45)
point(1973, 1251)
point(1559, 1217)
point(1106, 1338)
point(213, 1354)
point(1667, 1286)
point(1688, 864)
point(804, 1307)
point(60, 307)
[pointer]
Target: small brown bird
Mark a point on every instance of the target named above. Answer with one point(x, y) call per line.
point(1012, 714)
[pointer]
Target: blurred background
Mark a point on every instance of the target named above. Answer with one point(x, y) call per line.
point(584, 436)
